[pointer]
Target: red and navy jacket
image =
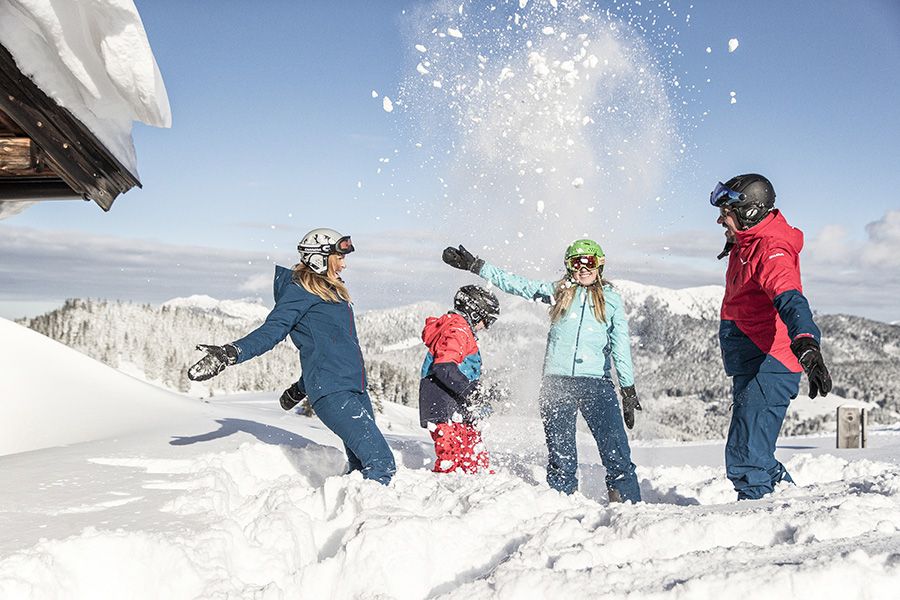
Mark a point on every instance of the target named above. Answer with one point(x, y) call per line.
point(451, 369)
point(764, 309)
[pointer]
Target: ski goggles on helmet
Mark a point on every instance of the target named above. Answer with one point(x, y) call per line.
point(342, 246)
point(586, 261)
point(725, 196)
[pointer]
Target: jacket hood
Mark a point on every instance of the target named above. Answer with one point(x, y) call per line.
point(284, 277)
point(436, 327)
point(775, 226)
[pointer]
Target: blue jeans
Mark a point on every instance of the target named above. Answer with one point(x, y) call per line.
point(760, 403)
point(350, 416)
point(561, 398)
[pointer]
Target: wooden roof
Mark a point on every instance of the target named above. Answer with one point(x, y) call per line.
point(46, 153)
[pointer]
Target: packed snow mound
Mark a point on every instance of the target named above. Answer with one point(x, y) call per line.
point(51, 395)
point(242, 310)
point(701, 302)
point(279, 524)
point(92, 58)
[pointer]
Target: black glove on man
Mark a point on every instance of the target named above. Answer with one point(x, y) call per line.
point(629, 405)
point(806, 349)
point(462, 259)
point(215, 361)
point(291, 397)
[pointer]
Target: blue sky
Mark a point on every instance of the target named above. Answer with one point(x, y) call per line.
point(275, 131)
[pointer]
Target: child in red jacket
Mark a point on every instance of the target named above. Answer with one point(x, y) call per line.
point(450, 377)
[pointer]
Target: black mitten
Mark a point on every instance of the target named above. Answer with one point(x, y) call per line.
point(291, 397)
point(630, 403)
point(806, 349)
point(215, 361)
point(460, 258)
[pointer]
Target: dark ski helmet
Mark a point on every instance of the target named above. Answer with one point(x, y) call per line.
point(477, 304)
point(750, 197)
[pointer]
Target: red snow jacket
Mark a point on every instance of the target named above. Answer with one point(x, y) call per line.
point(451, 368)
point(764, 308)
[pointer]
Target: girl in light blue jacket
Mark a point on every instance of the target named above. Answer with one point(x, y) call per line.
point(588, 333)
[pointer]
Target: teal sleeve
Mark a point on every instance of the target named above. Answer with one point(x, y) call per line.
point(532, 289)
point(621, 344)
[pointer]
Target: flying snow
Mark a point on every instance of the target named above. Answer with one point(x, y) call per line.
point(733, 44)
point(537, 102)
point(387, 104)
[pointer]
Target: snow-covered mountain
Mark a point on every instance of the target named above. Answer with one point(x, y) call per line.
point(674, 339)
point(243, 310)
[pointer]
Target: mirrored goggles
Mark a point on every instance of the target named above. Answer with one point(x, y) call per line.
point(343, 246)
point(724, 195)
point(588, 261)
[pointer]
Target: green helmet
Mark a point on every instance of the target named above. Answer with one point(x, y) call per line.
point(584, 248)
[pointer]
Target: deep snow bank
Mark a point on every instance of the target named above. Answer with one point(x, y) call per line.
point(51, 395)
point(280, 527)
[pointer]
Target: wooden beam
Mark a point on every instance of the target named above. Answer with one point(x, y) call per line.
point(19, 157)
point(69, 148)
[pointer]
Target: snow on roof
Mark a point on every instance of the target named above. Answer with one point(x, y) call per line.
point(92, 59)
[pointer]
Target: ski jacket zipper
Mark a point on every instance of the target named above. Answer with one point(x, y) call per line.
point(578, 333)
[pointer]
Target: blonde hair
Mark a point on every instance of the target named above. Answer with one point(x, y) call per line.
point(564, 295)
point(328, 287)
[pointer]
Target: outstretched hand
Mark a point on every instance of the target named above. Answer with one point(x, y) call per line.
point(460, 258)
point(807, 351)
point(215, 361)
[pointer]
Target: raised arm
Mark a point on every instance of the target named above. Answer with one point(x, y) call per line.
point(532, 289)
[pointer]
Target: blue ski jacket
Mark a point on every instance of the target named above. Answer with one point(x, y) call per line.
point(577, 344)
point(324, 332)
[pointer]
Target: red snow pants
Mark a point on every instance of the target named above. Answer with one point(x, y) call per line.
point(458, 446)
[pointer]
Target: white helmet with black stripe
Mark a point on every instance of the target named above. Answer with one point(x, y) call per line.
point(318, 244)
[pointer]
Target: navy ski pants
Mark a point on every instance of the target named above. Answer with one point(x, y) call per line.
point(350, 415)
point(760, 403)
point(561, 399)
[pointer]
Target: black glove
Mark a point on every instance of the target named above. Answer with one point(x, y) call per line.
point(806, 349)
point(291, 397)
point(462, 259)
point(215, 361)
point(630, 403)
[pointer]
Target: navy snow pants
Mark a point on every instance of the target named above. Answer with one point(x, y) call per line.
point(760, 403)
point(350, 415)
point(561, 399)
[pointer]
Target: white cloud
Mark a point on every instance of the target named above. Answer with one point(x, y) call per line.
point(882, 251)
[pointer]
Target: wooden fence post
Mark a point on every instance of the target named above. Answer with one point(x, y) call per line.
point(851, 427)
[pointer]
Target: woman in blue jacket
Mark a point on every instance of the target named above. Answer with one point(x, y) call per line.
point(312, 305)
point(588, 332)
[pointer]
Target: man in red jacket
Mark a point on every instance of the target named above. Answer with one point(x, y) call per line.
point(767, 334)
point(450, 375)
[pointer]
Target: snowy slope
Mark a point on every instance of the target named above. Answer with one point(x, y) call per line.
point(53, 395)
point(236, 498)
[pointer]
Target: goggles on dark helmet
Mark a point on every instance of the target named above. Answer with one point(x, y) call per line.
point(725, 196)
point(587, 261)
point(342, 246)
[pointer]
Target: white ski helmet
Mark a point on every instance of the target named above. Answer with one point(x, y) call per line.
point(316, 245)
